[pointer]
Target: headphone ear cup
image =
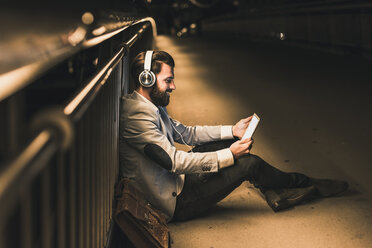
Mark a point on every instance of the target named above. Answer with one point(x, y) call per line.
point(147, 78)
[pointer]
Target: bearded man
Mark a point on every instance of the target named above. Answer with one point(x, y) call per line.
point(182, 184)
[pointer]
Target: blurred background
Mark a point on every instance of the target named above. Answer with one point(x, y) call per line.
point(304, 66)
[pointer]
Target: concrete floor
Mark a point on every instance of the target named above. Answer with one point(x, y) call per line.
point(315, 118)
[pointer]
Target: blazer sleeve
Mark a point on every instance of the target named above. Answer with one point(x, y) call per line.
point(142, 131)
point(197, 135)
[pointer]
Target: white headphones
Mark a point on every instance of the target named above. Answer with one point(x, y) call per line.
point(147, 78)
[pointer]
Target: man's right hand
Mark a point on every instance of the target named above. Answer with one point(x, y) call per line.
point(241, 147)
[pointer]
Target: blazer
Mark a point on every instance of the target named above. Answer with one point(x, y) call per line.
point(148, 154)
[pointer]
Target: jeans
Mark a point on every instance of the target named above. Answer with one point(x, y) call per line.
point(203, 191)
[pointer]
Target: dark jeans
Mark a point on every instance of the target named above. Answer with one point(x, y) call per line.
point(202, 191)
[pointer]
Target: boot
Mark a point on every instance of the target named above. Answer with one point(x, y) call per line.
point(279, 199)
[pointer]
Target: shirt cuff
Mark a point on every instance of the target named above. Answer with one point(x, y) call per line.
point(226, 132)
point(225, 158)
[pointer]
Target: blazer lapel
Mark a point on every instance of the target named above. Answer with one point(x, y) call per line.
point(166, 127)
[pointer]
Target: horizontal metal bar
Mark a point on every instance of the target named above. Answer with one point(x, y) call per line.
point(152, 22)
point(136, 36)
point(96, 40)
point(86, 96)
point(139, 33)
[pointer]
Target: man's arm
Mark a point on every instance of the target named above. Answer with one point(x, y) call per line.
point(201, 134)
point(142, 131)
point(197, 135)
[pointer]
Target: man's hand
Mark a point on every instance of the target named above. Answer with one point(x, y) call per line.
point(239, 128)
point(241, 147)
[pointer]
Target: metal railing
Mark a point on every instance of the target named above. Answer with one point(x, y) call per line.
point(59, 190)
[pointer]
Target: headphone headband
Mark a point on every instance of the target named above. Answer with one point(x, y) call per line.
point(148, 58)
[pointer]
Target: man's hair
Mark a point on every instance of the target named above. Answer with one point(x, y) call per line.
point(158, 57)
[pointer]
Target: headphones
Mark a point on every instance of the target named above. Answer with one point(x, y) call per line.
point(147, 78)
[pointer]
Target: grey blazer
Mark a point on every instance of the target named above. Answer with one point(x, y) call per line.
point(148, 154)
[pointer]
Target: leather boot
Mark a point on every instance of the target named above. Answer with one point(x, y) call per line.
point(279, 199)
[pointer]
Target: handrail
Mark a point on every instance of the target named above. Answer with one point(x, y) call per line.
point(75, 41)
point(104, 36)
point(135, 37)
point(17, 168)
point(88, 93)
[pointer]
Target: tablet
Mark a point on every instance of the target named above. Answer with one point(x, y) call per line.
point(251, 127)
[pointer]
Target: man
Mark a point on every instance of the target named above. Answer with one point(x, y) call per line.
point(185, 184)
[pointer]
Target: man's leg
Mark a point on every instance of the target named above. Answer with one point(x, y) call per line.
point(281, 189)
point(200, 194)
point(257, 171)
point(202, 191)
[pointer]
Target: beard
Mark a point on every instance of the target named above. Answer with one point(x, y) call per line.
point(158, 97)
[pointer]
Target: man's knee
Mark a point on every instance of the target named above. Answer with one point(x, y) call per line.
point(249, 160)
point(251, 164)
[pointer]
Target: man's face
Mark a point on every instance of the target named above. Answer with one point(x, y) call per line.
point(164, 86)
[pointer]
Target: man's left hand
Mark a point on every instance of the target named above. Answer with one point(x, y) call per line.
point(239, 128)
